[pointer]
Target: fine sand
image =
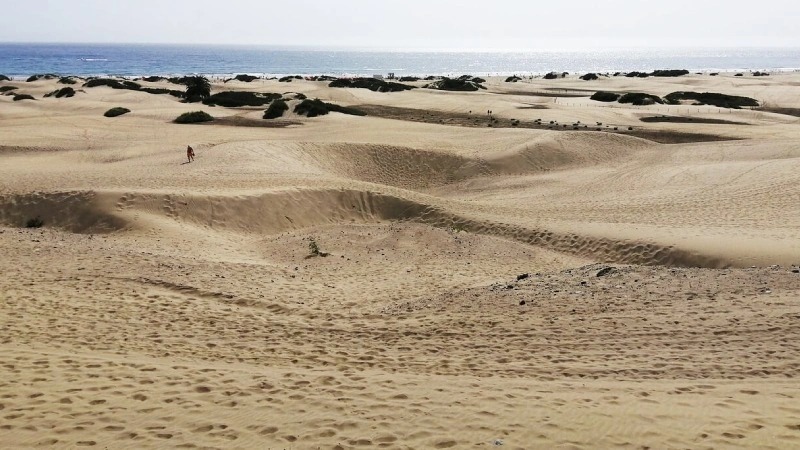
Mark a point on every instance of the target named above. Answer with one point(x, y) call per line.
point(629, 281)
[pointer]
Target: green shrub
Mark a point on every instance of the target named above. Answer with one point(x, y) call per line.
point(712, 98)
point(760, 74)
point(276, 109)
point(18, 97)
point(153, 79)
point(67, 80)
point(639, 99)
point(408, 79)
point(4, 78)
point(113, 84)
point(118, 111)
point(670, 73)
point(7, 88)
point(455, 84)
point(46, 76)
point(36, 222)
point(602, 96)
point(316, 107)
point(289, 78)
point(234, 99)
point(197, 87)
point(590, 77)
point(63, 92)
point(244, 78)
point(194, 117)
point(637, 75)
point(513, 79)
point(373, 84)
point(551, 76)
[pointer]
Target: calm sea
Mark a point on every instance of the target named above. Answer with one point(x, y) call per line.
point(20, 60)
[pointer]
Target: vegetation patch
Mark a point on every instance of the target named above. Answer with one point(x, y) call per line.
point(513, 79)
point(235, 99)
point(457, 84)
point(118, 111)
point(194, 117)
point(7, 88)
point(18, 97)
point(373, 84)
point(682, 119)
point(670, 73)
point(316, 107)
point(153, 79)
point(67, 80)
point(590, 77)
point(290, 78)
point(712, 98)
point(640, 99)
point(276, 109)
point(131, 86)
point(408, 79)
point(551, 76)
point(243, 78)
point(637, 75)
point(4, 78)
point(602, 96)
point(36, 222)
point(45, 76)
point(63, 92)
point(760, 74)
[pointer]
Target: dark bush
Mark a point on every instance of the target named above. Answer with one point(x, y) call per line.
point(235, 99)
point(605, 96)
point(4, 78)
point(712, 98)
point(637, 75)
point(276, 109)
point(639, 99)
point(513, 79)
point(18, 97)
point(194, 117)
point(450, 84)
point(118, 111)
point(244, 78)
point(161, 91)
point(7, 88)
point(289, 78)
point(316, 107)
point(197, 87)
point(431, 78)
point(153, 79)
point(760, 74)
point(551, 76)
point(46, 76)
point(714, 74)
point(670, 73)
point(178, 80)
point(739, 75)
point(616, 74)
point(408, 79)
point(67, 80)
point(373, 84)
point(300, 96)
point(36, 222)
point(590, 77)
point(113, 84)
point(478, 80)
point(63, 92)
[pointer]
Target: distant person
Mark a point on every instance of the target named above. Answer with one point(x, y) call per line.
point(189, 153)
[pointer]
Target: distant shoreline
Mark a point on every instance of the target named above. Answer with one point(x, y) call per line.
point(134, 60)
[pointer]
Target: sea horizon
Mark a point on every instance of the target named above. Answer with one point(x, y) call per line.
point(20, 59)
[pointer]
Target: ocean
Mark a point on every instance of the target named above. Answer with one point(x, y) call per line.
point(22, 60)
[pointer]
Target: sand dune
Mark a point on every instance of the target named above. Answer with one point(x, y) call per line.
point(481, 286)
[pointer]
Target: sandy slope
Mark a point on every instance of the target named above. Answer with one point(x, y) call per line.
point(170, 304)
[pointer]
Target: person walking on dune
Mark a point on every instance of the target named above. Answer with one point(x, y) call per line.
point(189, 153)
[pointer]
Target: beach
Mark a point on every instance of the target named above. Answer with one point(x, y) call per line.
point(517, 266)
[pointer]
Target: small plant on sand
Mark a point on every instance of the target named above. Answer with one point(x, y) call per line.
point(197, 88)
point(18, 97)
point(314, 250)
point(36, 222)
point(7, 88)
point(4, 78)
point(194, 117)
point(118, 111)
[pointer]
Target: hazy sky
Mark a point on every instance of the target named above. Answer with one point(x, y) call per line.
point(412, 24)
